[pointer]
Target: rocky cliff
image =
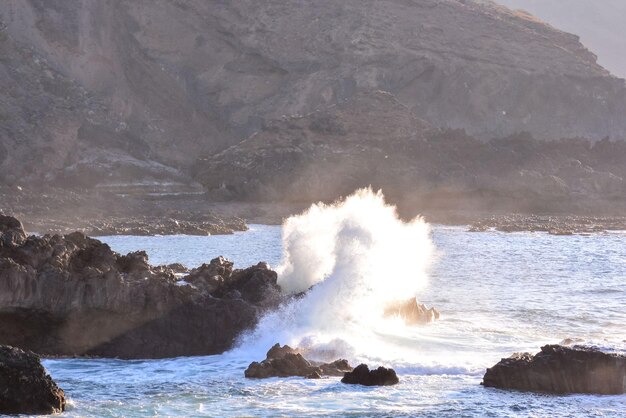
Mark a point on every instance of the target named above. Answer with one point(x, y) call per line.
point(130, 93)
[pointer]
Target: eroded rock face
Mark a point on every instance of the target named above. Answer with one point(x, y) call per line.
point(25, 387)
point(413, 313)
point(560, 369)
point(287, 362)
point(72, 295)
point(362, 375)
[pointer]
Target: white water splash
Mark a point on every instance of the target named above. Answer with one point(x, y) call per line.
point(354, 257)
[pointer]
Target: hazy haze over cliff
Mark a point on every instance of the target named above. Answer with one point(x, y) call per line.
point(601, 25)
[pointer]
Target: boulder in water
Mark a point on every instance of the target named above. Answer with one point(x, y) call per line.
point(286, 362)
point(559, 369)
point(362, 375)
point(25, 387)
point(412, 313)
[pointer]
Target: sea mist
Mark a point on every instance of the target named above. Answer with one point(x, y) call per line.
point(352, 258)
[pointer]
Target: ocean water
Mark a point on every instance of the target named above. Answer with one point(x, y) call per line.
point(498, 293)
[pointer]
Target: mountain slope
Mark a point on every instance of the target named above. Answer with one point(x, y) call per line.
point(171, 80)
point(327, 154)
point(600, 24)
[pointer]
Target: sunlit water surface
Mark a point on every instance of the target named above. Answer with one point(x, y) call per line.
point(498, 293)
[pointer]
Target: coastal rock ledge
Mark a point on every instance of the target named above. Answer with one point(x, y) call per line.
point(72, 295)
point(560, 370)
point(25, 387)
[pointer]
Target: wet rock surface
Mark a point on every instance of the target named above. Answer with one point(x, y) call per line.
point(284, 361)
point(72, 295)
point(559, 369)
point(25, 387)
point(412, 313)
point(362, 375)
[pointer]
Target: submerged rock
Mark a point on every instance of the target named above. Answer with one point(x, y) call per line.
point(72, 295)
point(559, 369)
point(412, 312)
point(25, 387)
point(362, 375)
point(287, 362)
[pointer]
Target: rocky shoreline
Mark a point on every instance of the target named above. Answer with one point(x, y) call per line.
point(554, 225)
point(72, 295)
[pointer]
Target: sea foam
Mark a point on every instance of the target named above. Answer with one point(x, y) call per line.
point(352, 258)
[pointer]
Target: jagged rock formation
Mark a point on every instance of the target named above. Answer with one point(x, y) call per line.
point(286, 362)
point(126, 94)
point(71, 295)
point(560, 369)
point(412, 313)
point(362, 375)
point(25, 387)
point(375, 140)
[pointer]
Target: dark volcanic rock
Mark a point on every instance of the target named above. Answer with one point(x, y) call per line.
point(559, 369)
point(25, 387)
point(286, 362)
point(412, 312)
point(362, 375)
point(72, 295)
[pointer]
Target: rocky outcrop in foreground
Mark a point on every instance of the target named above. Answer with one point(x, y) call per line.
point(72, 295)
point(25, 387)
point(412, 313)
point(286, 362)
point(560, 369)
point(362, 375)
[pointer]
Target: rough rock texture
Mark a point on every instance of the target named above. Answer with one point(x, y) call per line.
point(373, 139)
point(286, 362)
point(412, 313)
point(560, 369)
point(72, 295)
point(362, 375)
point(128, 93)
point(25, 387)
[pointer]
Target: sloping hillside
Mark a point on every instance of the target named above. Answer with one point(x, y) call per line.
point(141, 88)
point(375, 140)
point(600, 25)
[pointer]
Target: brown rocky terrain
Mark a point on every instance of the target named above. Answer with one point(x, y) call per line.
point(71, 295)
point(374, 139)
point(125, 95)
